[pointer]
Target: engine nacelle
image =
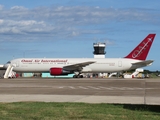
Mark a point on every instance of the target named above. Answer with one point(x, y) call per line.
point(58, 71)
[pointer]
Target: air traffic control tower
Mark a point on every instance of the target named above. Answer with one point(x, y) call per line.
point(99, 50)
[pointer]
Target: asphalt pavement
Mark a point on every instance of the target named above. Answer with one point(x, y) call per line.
point(121, 91)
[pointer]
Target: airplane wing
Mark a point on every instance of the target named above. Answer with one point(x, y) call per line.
point(2, 67)
point(144, 63)
point(78, 66)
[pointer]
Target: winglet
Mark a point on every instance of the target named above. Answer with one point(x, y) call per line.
point(141, 51)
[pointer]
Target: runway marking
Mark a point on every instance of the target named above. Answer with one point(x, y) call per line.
point(71, 87)
point(123, 88)
point(61, 87)
point(101, 88)
point(93, 87)
point(82, 87)
point(78, 87)
point(107, 88)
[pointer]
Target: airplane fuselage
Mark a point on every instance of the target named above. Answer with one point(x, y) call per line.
point(99, 65)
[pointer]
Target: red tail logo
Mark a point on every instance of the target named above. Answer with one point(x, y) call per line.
point(141, 51)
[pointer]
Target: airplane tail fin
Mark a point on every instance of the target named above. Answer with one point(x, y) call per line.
point(141, 51)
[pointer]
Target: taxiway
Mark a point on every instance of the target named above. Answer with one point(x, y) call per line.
point(123, 91)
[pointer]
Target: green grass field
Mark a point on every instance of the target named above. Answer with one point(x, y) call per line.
point(76, 111)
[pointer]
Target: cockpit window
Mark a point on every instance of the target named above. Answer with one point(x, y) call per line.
point(8, 62)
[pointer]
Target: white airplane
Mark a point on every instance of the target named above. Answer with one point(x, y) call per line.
point(64, 66)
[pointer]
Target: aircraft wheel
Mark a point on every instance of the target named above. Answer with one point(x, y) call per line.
point(78, 76)
point(74, 76)
point(81, 76)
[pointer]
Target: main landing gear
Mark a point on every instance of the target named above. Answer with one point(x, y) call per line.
point(78, 76)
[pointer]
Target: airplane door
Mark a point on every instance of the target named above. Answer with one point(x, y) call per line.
point(17, 64)
point(119, 63)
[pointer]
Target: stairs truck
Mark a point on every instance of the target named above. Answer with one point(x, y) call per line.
point(134, 74)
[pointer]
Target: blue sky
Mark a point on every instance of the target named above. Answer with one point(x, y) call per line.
point(68, 28)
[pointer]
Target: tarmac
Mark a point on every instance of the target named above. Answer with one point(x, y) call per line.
point(95, 90)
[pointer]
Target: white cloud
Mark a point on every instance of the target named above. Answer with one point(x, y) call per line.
point(74, 33)
point(1, 7)
point(18, 8)
point(108, 42)
point(1, 21)
point(65, 21)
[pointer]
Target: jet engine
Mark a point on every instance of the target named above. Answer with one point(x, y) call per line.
point(59, 71)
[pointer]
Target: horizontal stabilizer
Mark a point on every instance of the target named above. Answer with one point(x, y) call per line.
point(144, 63)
